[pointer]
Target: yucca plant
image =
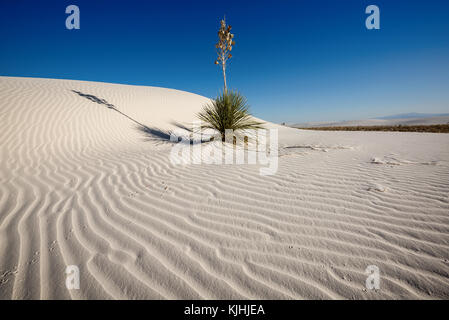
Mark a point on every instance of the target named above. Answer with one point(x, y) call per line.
point(228, 111)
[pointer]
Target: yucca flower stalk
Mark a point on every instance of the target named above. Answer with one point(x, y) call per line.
point(224, 47)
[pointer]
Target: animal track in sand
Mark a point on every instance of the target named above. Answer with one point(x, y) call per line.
point(389, 160)
point(6, 274)
point(376, 187)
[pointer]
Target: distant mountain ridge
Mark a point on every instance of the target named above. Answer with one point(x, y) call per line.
point(413, 115)
point(408, 119)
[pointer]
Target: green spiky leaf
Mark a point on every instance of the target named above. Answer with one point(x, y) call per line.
point(228, 111)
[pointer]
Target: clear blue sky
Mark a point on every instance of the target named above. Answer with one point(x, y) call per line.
point(295, 61)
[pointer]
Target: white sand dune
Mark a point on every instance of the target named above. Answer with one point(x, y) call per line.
point(82, 184)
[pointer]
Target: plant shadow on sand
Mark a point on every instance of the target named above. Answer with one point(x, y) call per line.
point(158, 135)
point(151, 133)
